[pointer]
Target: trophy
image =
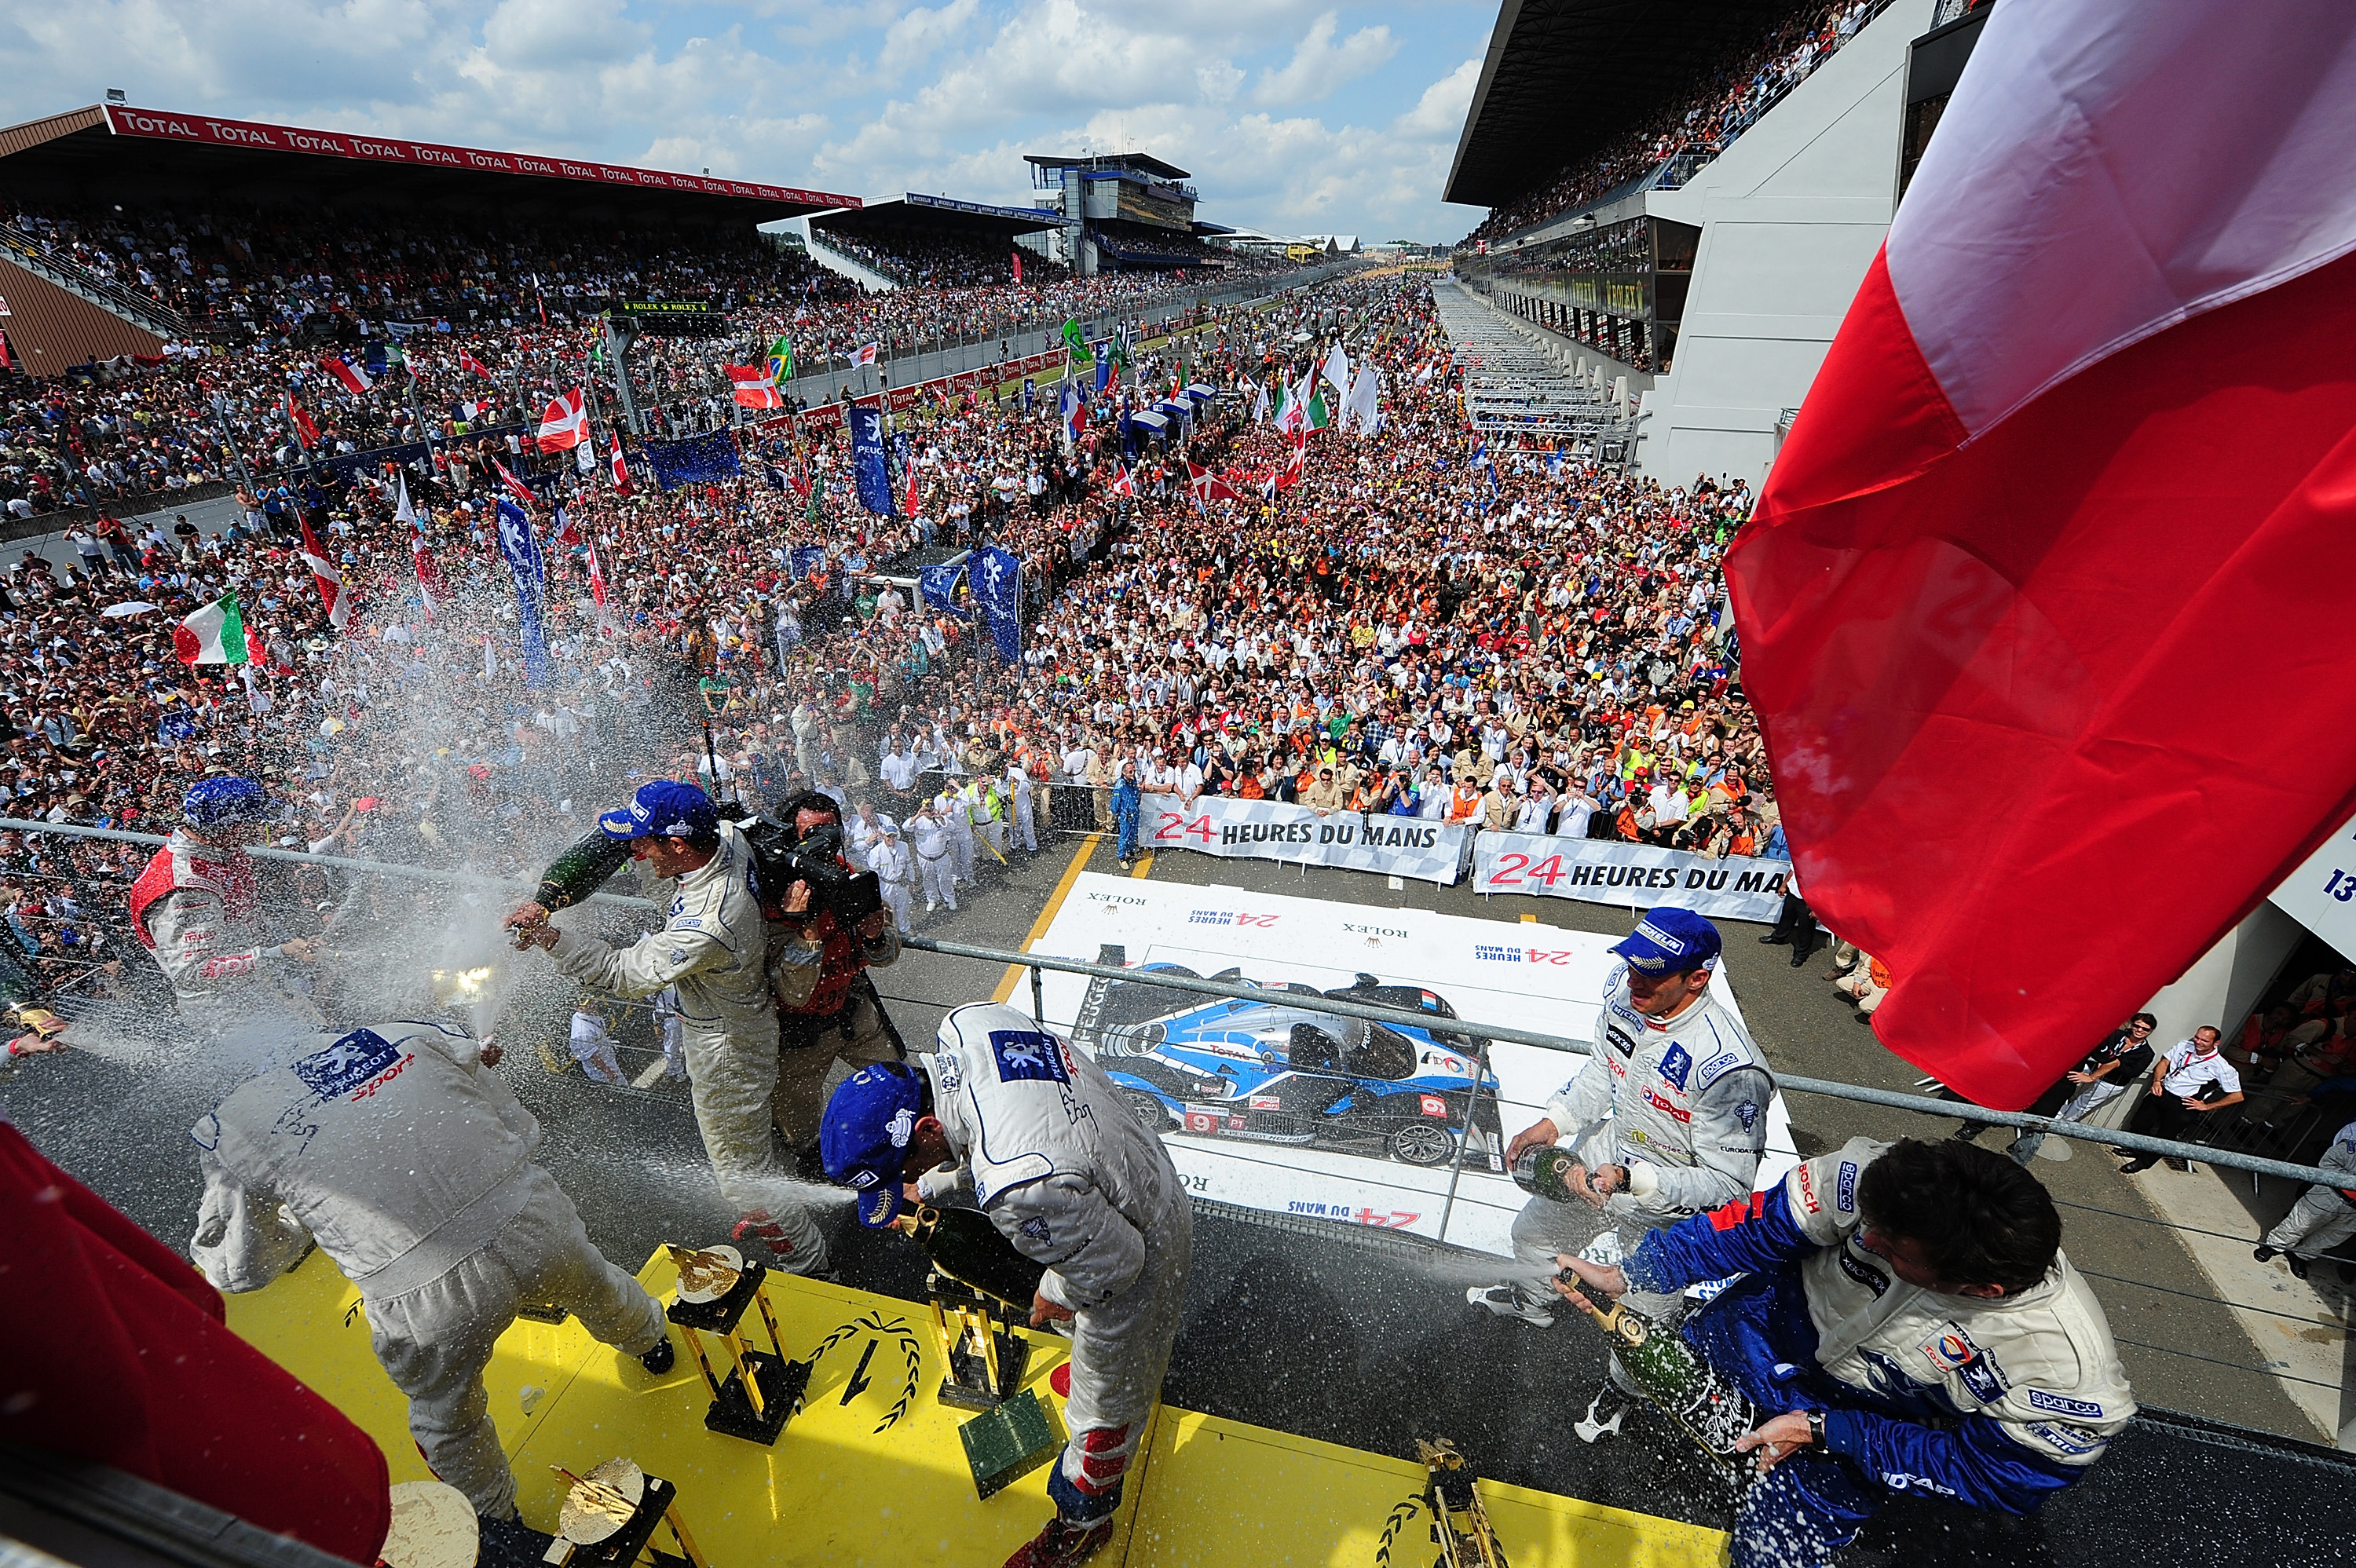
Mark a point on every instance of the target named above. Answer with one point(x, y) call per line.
point(982, 1285)
point(763, 1388)
point(608, 1520)
point(1459, 1525)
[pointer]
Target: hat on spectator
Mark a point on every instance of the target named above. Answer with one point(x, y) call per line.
point(863, 1138)
point(1670, 941)
point(664, 809)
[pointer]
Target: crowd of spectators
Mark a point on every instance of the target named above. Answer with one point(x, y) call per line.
point(939, 261)
point(1727, 98)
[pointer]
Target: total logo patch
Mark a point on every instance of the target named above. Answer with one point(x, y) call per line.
point(1950, 1349)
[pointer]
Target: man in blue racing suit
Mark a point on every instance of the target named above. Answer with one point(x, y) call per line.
point(1907, 1323)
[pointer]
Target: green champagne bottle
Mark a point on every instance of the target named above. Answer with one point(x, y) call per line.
point(1543, 1170)
point(580, 871)
point(966, 1246)
point(1712, 1410)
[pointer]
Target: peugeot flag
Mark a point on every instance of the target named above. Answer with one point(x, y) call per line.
point(937, 585)
point(867, 459)
point(997, 578)
point(804, 562)
point(522, 550)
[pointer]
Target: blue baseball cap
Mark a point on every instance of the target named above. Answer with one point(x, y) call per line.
point(219, 801)
point(1670, 939)
point(663, 809)
point(863, 1138)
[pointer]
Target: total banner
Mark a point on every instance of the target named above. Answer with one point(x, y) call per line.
point(1597, 870)
point(1271, 830)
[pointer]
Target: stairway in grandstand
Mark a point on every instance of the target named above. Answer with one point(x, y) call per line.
point(148, 315)
point(1514, 386)
point(866, 274)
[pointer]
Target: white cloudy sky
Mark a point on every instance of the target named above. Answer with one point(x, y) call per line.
point(1294, 115)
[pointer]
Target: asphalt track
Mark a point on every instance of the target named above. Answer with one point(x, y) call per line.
point(1329, 1340)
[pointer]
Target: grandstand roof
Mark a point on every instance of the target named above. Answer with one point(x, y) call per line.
point(1140, 163)
point(937, 214)
point(1563, 77)
point(111, 151)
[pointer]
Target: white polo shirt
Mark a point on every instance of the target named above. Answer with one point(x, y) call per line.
point(2188, 1070)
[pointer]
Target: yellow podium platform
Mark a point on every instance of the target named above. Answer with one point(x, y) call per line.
point(872, 1472)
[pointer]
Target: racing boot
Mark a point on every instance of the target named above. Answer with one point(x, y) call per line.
point(660, 1359)
point(1062, 1543)
point(1604, 1414)
point(756, 1228)
point(1510, 1301)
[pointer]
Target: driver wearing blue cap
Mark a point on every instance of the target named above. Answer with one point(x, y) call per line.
point(1667, 1118)
point(196, 908)
point(714, 950)
point(1073, 1181)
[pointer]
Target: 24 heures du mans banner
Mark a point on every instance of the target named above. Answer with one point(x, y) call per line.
point(1271, 830)
point(1597, 870)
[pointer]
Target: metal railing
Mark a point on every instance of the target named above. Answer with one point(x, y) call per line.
point(1470, 1030)
point(31, 254)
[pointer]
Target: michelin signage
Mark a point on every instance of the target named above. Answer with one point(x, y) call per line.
point(1271, 830)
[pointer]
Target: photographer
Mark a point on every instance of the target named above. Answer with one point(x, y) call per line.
point(839, 1017)
point(714, 950)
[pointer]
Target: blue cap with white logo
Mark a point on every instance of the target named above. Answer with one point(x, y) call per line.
point(663, 809)
point(863, 1136)
point(1670, 941)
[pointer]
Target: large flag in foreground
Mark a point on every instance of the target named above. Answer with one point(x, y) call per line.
point(2043, 604)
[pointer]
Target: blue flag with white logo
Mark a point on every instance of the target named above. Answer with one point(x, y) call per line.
point(997, 580)
point(522, 550)
point(805, 560)
point(936, 586)
point(868, 464)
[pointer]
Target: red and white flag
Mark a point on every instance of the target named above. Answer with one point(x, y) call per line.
point(468, 362)
point(621, 467)
point(756, 387)
point(1289, 474)
point(300, 418)
point(2085, 441)
point(1125, 484)
point(429, 576)
point(1018, 266)
point(324, 574)
point(355, 379)
point(867, 356)
point(1209, 486)
point(565, 423)
point(515, 487)
point(596, 577)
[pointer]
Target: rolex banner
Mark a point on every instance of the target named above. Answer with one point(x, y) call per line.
point(1597, 870)
point(1271, 830)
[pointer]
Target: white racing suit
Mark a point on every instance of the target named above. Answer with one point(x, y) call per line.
point(1682, 1105)
point(1994, 1404)
point(1075, 1182)
point(194, 906)
point(410, 1162)
point(2324, 1216)
point(714, 951)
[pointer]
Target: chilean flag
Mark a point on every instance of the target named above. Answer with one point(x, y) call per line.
point(2043, 607)
point(355, 379)
point(621, 466)
point(565, 424)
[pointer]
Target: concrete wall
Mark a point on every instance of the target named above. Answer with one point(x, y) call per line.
point(1791, 217)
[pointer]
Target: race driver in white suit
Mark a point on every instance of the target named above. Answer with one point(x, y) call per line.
point(1668, 1119)
point(1039, 1134)
point(401, 1152)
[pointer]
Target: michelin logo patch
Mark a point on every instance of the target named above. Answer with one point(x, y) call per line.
point(346, 1064)
point(1676, 1065)
point(2085, 1409)
point(1024, 1054)
point(1748, 1115)
point(2070, 1439)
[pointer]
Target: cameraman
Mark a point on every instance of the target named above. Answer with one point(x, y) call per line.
point(840, 1018)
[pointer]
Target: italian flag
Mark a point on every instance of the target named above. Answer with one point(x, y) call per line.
point(214, 634)
point(1289, 417)
point(1316, 414)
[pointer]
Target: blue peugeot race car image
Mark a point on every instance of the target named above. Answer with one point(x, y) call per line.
point(1282, 1069)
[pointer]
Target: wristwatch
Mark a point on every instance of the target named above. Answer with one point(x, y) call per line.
point(1817, 1428)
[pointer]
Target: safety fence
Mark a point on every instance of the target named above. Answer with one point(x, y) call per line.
point(1475, 1039)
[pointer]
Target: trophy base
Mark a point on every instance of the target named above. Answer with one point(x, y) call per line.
point(781, 1383)
point(968, 1386)
point(1006, 1444)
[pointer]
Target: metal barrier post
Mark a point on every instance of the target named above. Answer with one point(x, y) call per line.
point(1038, 997)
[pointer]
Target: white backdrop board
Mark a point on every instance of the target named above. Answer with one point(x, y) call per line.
point(1248, 1149)
point(1235, 830)
point(1638, 876)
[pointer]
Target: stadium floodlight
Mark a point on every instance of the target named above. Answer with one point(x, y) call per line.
point(116, 95)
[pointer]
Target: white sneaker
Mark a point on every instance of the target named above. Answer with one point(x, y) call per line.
point(1604, 1414)
point(1506, 1302)
point(930, 908)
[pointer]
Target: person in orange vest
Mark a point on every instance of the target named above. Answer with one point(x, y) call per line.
point(1464, 801)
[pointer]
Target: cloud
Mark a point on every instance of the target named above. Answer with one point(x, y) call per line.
point(1318, 67)
point(1441, 111)
point(915, 38)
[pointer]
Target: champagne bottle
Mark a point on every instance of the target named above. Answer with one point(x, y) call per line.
point(1543, 1170)
point(580, 871)
point(20, 996)
point(966, 1246)
point(1704, 1402)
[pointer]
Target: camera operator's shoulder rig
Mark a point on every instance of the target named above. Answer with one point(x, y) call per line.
point(813, 956)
